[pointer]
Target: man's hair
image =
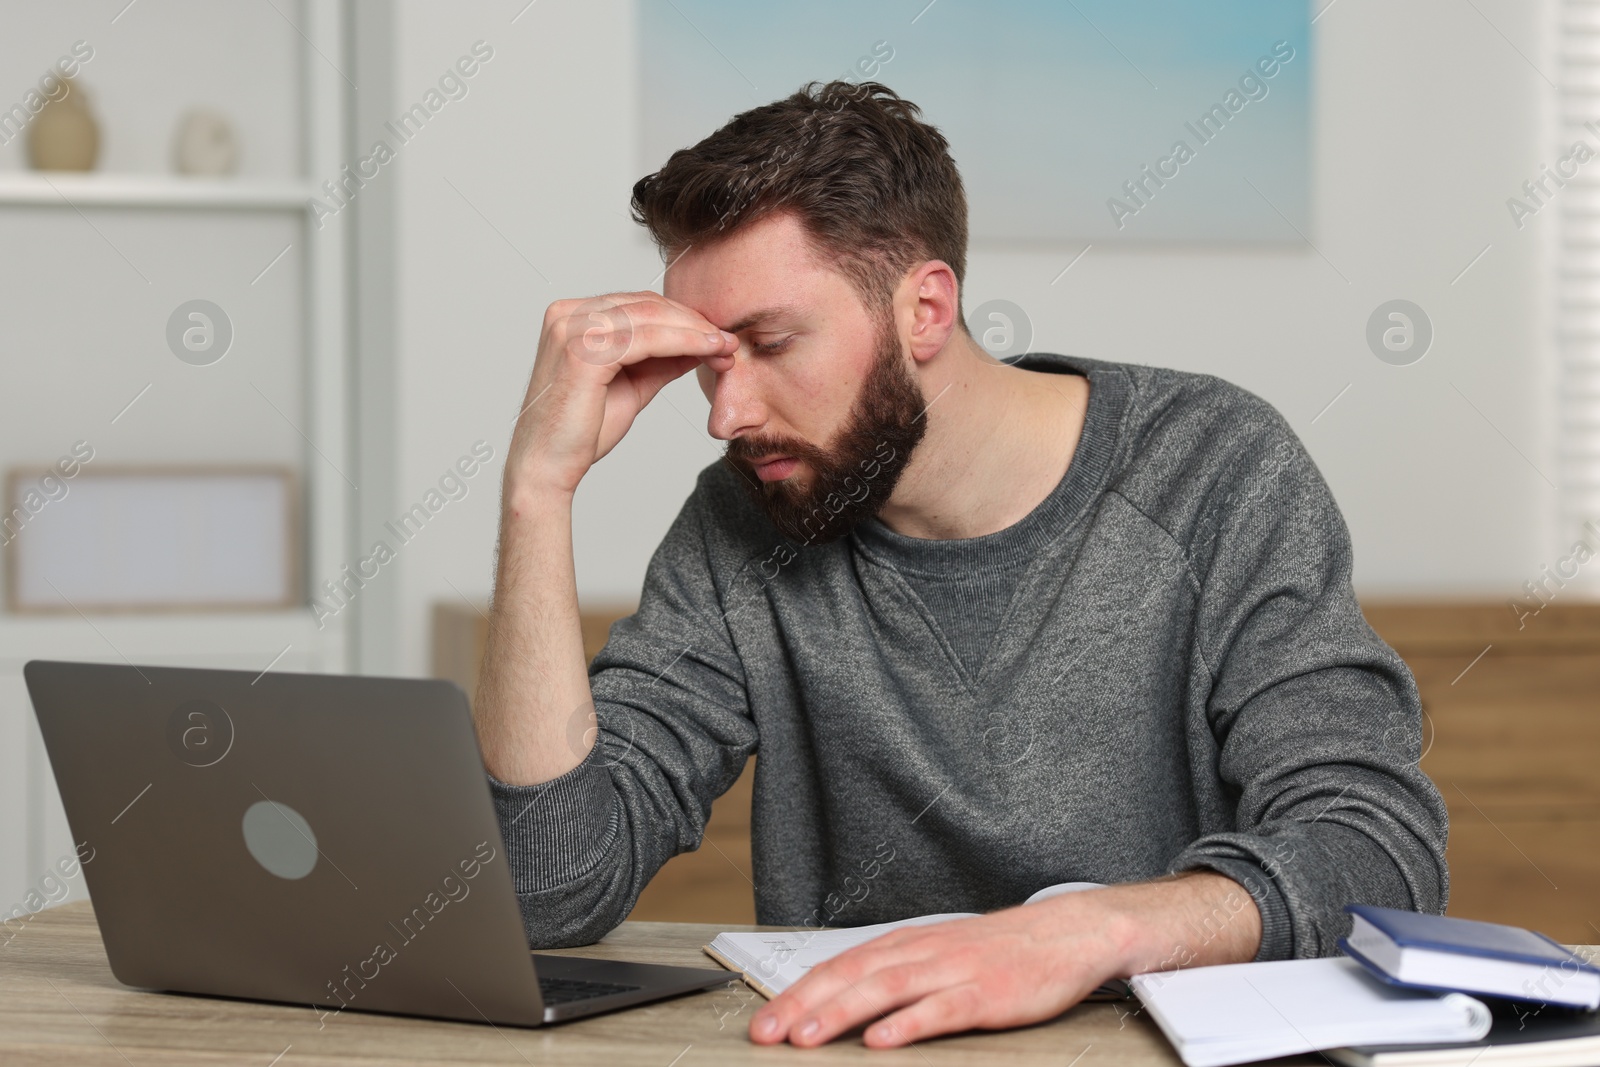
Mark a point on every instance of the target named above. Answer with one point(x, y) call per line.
point(874, 187)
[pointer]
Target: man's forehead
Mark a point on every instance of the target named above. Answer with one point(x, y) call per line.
point(755, 276)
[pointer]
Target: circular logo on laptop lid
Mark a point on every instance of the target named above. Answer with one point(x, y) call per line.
point(199, 732)
point(280, 839)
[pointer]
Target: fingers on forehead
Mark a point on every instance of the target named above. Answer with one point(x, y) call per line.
point(659, 298)
point(646, 307)
point(641, 297)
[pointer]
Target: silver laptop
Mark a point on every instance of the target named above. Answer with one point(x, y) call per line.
point(320, 840)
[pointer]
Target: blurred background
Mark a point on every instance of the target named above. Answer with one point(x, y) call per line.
point(274, 271)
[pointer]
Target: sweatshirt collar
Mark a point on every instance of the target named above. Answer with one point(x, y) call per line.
point(1023, 540)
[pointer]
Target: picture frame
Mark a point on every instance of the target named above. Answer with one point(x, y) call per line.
point(151, 538)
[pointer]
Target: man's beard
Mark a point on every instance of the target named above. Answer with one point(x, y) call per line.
point(854, 478)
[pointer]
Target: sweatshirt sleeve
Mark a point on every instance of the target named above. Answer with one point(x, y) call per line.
point(1316, 722)
point(673, 733)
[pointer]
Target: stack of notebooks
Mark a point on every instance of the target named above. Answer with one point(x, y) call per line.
point(1405, 995)
point(1543, 997)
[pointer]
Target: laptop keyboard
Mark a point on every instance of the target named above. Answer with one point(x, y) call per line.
point(567, 990)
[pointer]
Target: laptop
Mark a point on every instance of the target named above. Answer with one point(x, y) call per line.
point(321, 840)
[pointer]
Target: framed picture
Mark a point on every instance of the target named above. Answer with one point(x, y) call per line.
point(1117, 121)
point(141, 539)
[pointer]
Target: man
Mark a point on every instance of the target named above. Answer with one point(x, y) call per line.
point(991, 627)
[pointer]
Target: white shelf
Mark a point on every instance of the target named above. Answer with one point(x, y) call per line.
point(64, 189)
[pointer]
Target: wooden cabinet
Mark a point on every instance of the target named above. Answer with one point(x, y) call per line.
point(1512, 739)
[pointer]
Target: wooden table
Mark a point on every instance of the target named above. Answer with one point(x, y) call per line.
point(59, 1004)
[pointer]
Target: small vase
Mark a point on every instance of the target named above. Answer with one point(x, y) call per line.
point(205, 145)
point(65, 135)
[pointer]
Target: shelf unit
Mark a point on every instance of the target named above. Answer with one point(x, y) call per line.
point(33, 829)
point(27, 189)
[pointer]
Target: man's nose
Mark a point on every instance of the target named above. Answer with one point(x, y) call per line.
point(736, 407)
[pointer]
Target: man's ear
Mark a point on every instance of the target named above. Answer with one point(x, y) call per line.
point(931, 297)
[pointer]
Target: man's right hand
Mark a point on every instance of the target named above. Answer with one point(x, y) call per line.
point(600, 361)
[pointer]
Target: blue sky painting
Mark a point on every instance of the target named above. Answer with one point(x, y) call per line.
point(1065, 116)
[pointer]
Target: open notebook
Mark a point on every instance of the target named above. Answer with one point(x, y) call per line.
point(772, 962)
point(1239, 1012)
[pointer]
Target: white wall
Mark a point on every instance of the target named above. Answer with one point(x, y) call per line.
point(1427, 119)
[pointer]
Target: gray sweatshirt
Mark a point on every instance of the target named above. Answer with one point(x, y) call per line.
point(1180, 678)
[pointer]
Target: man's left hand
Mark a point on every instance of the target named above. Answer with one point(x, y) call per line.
point(1011, 968)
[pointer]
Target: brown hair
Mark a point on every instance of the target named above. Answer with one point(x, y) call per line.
point(874, 187)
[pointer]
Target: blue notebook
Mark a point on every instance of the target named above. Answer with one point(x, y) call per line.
point(1406, 948)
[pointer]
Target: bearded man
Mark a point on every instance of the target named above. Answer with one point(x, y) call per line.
point(990, 626)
